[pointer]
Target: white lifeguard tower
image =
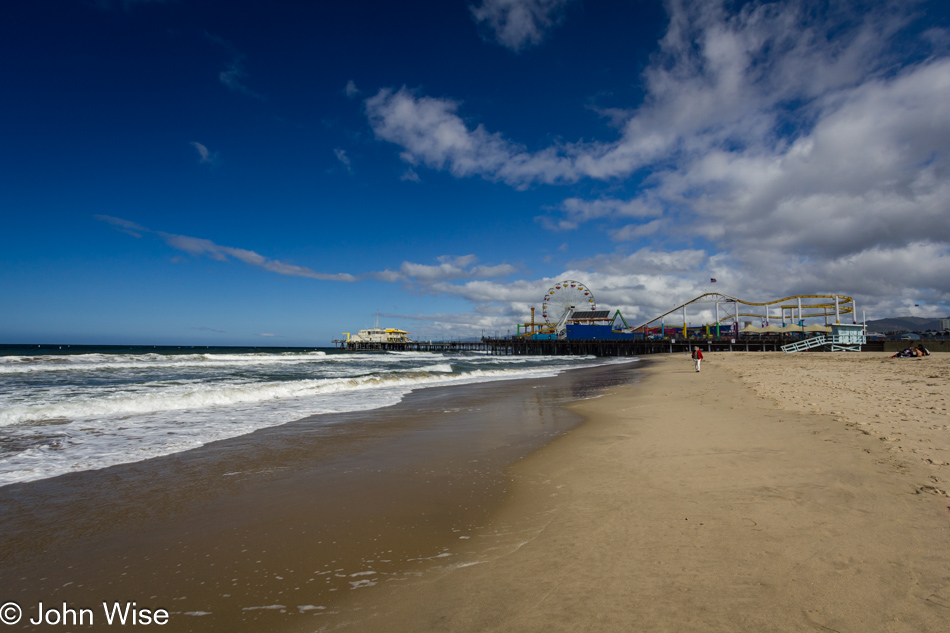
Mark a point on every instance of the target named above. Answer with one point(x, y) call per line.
point(847, 337)
point(844, 337)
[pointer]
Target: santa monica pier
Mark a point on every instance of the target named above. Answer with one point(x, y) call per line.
point(571, 323)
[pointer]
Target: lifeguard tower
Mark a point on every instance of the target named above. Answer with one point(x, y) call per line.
point(844, 337)
point(848, 337)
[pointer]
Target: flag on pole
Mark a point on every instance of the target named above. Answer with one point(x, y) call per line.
point(712, 280)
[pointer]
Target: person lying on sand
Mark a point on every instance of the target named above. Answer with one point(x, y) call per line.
point(910, 352)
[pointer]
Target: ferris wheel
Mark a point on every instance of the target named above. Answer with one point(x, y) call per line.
point(564, 295)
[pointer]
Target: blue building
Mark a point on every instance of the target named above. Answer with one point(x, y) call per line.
point(579, 332)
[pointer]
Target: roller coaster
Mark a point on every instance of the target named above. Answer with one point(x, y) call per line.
point(792, 312)
point(825, 308)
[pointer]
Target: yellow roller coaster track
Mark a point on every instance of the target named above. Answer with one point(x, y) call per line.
point(839, 304)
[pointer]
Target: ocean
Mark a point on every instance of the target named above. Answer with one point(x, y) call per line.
point(73, 408)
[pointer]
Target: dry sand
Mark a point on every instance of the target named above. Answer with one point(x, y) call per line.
point(903, 402)
point(742, 498)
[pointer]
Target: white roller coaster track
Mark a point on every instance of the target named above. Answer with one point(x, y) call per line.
point(839, 304)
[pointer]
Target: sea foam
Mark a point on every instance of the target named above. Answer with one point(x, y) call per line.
point(61, 414)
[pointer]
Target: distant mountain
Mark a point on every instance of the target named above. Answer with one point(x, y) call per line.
point(903, 324)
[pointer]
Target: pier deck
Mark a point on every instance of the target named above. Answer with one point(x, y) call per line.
point(566, 347)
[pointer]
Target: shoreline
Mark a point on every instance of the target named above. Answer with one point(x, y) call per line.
point(68, 413)
point(689, 502)
point(258, 530)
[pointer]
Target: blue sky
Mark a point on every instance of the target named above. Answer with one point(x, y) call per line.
point(197, 172)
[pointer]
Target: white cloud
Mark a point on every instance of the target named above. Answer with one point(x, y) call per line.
point(432, 134)
point(577, 211)
point(458, 260)
point(648, 261)
point(632, 232)
point(351, 90)
point(207, 329)
point(197, 247)
point(389, 276)
point(449, 268)
point(421, 276)
point(719, 80)
point(124, 226)
point(807, 147)
point(518, 24)
point(234, 75)
point(205, 156)
point(641, 286)
point(872, 171)
point(343, 158)
point(429, 273)
point(440, 325)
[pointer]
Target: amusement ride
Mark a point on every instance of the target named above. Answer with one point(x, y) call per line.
point(570, 311)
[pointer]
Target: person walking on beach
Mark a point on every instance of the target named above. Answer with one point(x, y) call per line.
point(697, 356)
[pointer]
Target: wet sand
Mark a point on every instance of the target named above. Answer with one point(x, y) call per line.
point(279, 528)
point(714, 502)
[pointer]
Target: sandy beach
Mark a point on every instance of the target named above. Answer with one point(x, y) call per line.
point(903, 402)
point(276, 528)
point(756, 495)
point(768, 492)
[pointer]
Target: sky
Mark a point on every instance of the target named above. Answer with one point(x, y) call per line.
point(198, 172)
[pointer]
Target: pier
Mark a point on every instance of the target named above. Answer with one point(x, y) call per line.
point(626, 347)
point(518, 346)
point(412, 346)
point(571, 331)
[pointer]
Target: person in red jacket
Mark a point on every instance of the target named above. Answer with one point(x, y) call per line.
point(697, 356)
